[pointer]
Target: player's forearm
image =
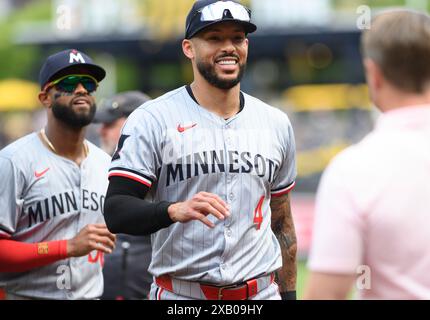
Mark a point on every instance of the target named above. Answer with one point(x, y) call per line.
point(283, 228)
point(20, 256)
point(287, 275)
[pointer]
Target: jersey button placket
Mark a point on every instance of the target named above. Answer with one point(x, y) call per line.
point(228, 232)
point(74, 268)
point(229, 178)
point(230, 197)
point(229, 136)
point(80, 185)
point(225, 129)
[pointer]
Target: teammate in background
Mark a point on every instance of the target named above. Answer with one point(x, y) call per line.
point(52, 230)
point(112, 114)
point(125, 271)
point(207, 169)
point(372, 212)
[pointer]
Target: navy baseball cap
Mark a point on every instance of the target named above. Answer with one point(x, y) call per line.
point(66, 62)
point(205, 13)
point(120, 105)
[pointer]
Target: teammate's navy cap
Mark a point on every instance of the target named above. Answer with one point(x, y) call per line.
point(205, 13)
point(120, 105)
point(66, 62)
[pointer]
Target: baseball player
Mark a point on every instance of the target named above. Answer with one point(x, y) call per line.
point(207, 169)
point(372, 212)
point(125, 271)
point(52, 230)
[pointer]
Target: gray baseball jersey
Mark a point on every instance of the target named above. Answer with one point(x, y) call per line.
point(46, 197)
point(178, 148)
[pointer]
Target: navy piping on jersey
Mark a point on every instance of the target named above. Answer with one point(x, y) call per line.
point(4, 230)
point(241, 98)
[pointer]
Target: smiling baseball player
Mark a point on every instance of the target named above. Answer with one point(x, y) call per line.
point(52, 231)
point(218, 165)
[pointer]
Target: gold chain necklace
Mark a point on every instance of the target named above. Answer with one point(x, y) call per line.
point(50, 145)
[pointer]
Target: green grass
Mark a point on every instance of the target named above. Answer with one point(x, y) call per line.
point(302, 274)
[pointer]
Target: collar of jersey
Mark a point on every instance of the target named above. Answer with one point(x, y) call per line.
point(241, 97)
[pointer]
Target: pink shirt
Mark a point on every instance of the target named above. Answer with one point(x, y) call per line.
point(373, 208)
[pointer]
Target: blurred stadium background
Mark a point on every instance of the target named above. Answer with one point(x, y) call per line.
point(304, 59)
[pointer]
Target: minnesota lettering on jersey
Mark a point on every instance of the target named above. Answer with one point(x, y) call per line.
point(208, 162)
point(63, 203)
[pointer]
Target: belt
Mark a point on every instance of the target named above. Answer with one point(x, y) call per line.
point(239, 291)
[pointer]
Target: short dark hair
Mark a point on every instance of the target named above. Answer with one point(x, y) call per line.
point(399, 43)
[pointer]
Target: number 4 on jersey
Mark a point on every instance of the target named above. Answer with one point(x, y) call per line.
point(258, 215)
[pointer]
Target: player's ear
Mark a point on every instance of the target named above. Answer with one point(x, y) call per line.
point(45, 99)
point(374, 75)
point(188, 48)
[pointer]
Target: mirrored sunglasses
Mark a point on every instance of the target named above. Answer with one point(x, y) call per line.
point(70, 82)
point(215, 11)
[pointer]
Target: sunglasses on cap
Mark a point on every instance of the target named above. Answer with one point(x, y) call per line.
point(70, 82)
point(215, 11)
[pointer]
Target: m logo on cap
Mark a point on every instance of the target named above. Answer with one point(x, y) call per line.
point(76, 56)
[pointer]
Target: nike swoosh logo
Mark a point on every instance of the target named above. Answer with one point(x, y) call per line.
point(40, 174)
point(182, 129)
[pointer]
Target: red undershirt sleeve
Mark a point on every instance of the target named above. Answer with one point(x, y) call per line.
point(20, 256)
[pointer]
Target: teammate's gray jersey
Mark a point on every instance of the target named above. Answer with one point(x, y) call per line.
point(178, 148)
point(46, 197)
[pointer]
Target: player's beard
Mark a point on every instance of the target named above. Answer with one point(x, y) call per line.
point(208, 72)
point(67, 115)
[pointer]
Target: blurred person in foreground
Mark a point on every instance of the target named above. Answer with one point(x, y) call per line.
point(52, 230)
point(125, 271)
point(372, 206)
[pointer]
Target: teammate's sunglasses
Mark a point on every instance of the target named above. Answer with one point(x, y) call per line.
point(70, 82)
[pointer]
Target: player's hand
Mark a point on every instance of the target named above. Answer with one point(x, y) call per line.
point(91, 237)
point(198, 207)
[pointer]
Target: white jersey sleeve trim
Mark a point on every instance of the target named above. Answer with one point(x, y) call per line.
point(119, 172)
point(281, 191)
